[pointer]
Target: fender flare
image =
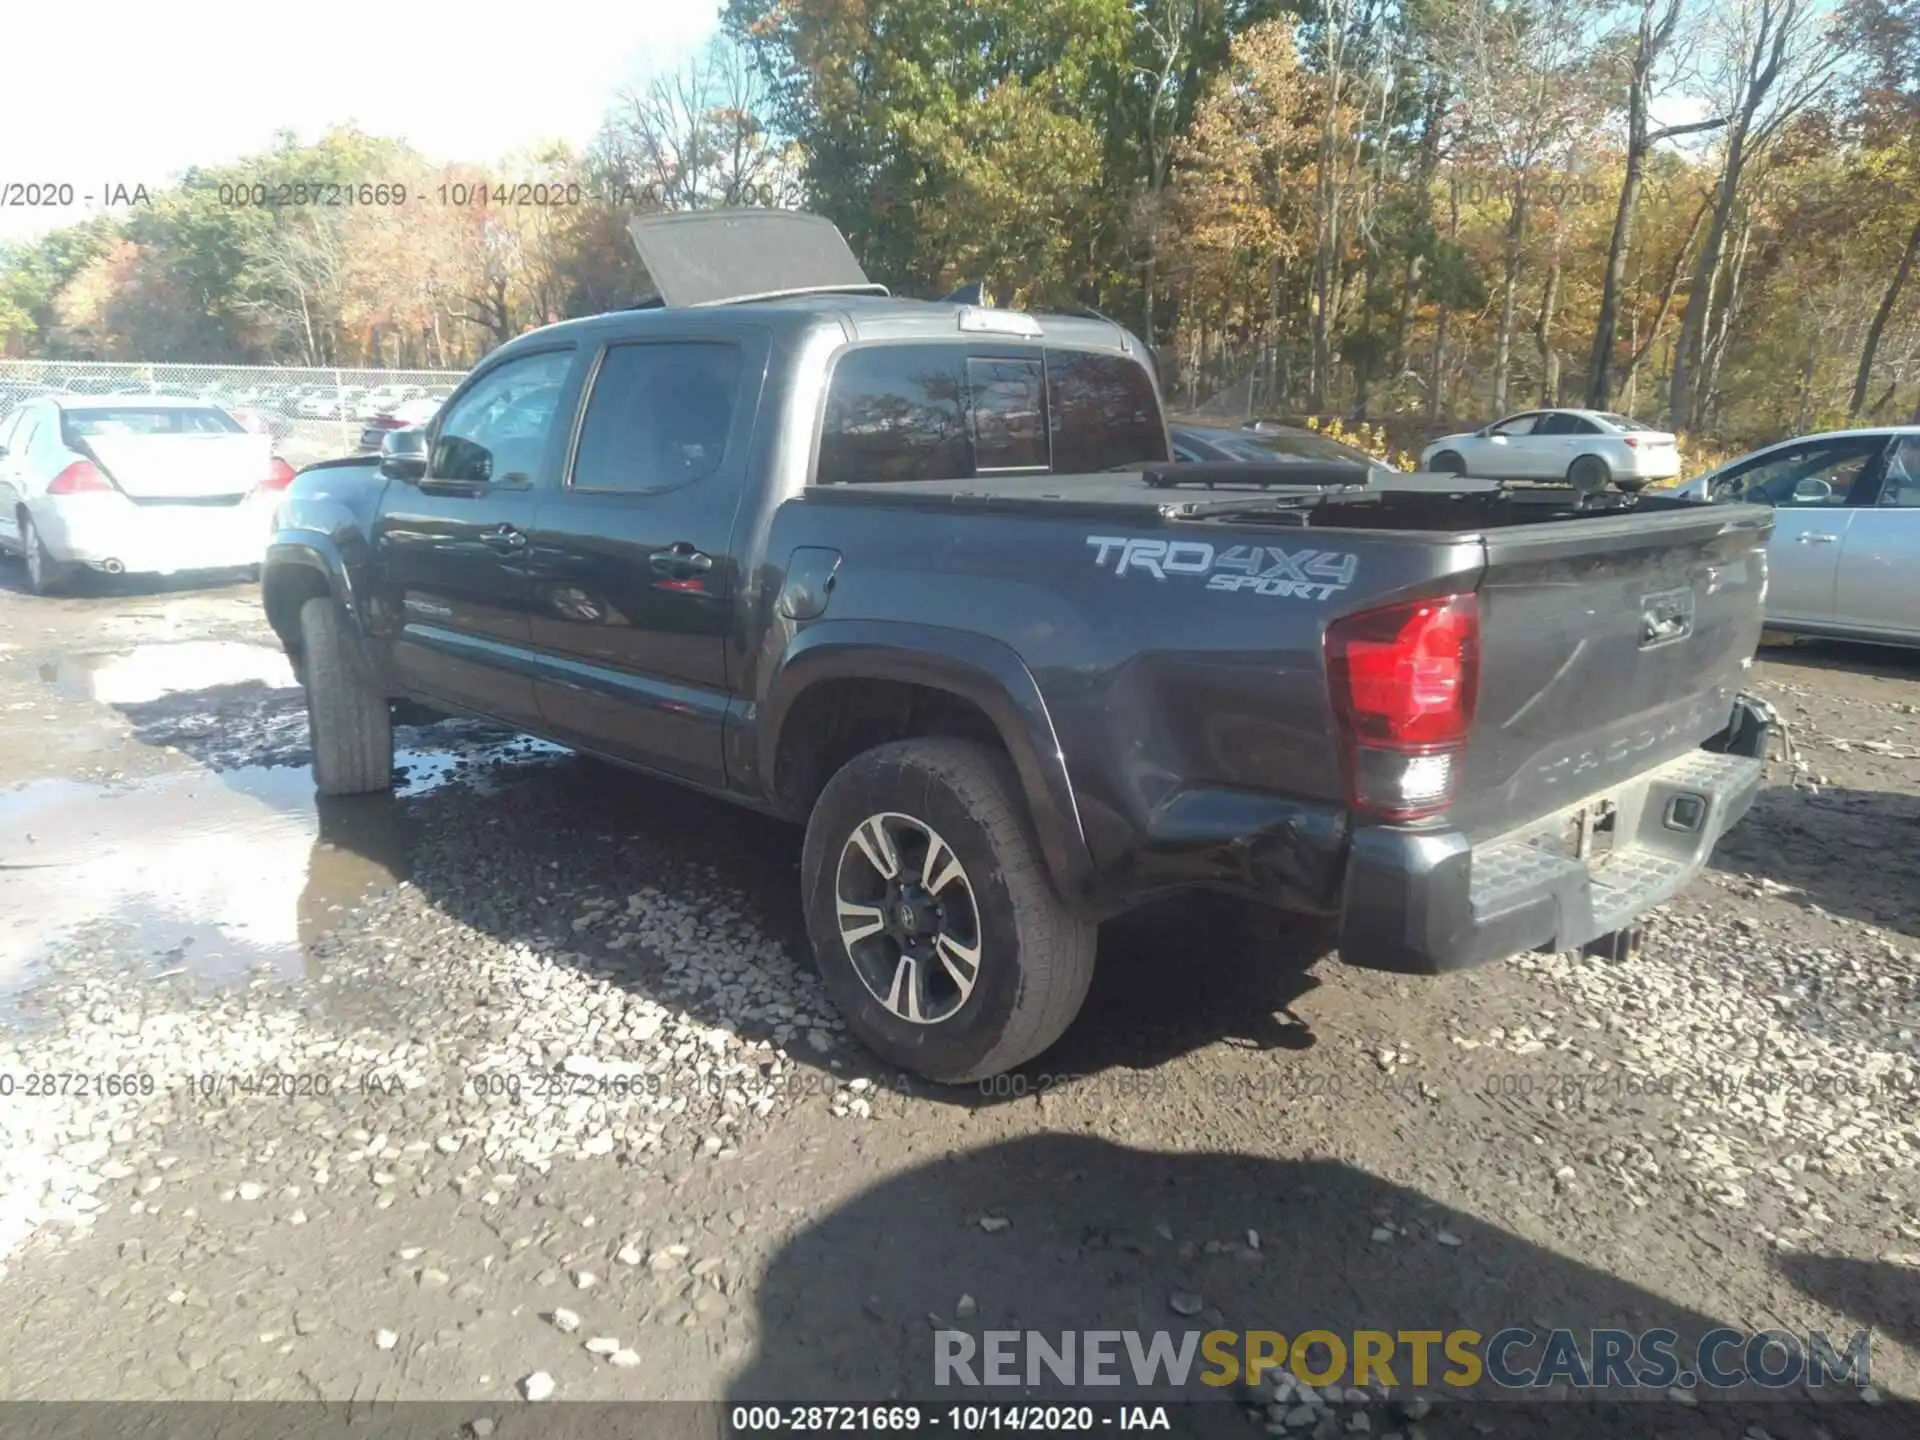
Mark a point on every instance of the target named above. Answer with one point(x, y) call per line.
point(972, 667)
point(314, 550)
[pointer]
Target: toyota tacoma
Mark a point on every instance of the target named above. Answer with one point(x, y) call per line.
point(923, 577)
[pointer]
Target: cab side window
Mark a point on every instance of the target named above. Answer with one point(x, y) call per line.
point(496, 433)
point(1806, 475)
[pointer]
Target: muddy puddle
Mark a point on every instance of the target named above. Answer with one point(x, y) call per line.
point(149, 672)
point(216, 873)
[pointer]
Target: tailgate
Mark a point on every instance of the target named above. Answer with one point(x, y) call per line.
point(182, 467)
point(1608, 646)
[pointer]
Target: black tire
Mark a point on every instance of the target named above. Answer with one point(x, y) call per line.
point(45, 575)
point(1589, 474)
point(1448, 462)
point(348, 717)
point(1035, 952)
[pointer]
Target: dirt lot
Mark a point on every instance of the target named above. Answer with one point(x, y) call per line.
point(525, 1070)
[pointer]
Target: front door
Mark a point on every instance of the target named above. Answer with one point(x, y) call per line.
point(452, 546)
point(1879, 572)
point(1503, 454)
point(1814, 488)
point(632, 570)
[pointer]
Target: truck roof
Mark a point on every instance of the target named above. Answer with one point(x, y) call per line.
point(864, 318)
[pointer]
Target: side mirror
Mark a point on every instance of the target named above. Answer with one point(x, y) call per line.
point(3, 452)
point(404, 467)
point(1812, 491)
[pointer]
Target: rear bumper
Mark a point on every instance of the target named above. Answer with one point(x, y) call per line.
point(110, 532)
point(1652, 465)
point(1429, 902)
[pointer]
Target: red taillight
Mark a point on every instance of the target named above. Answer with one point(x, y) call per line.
point(1633, 442)
point(386, 422)
point(82, 477)
point(279, 475)
point(1404, 681)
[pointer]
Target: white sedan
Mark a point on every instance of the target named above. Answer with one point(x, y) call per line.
point(143, 485)
point(1587, 448)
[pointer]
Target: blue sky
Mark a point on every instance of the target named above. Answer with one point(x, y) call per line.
point(129, 91)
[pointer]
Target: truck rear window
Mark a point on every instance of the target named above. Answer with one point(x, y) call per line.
point(939, 412)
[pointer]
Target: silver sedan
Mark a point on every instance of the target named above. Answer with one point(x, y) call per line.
point(1845, 555)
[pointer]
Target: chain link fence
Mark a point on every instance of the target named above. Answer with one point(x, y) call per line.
point(313, 414)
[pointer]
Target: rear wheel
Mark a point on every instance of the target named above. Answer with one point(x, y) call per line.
point(1448, 462)
point(1589, 474)
point(45, 575)
point(348, 716)
point(937, 930)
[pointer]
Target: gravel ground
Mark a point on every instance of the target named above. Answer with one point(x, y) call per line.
point(526, 1074)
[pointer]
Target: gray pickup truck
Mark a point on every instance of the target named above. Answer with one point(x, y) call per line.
point(923, 577)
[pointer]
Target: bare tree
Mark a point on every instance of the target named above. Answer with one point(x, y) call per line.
point(1771, 65)
point(1658, 20)
point(1888, 299)
point(1525, 74)
point(697, 138)
point(299, 274)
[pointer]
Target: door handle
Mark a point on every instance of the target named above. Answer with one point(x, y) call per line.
point(679, 559)
point(1817, 537)
point(504, 538)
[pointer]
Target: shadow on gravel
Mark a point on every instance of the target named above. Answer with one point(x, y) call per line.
point(520, 864)
point(1874, 1292)
point(1892, 662)
point(1854, 853)
point(849, 1307)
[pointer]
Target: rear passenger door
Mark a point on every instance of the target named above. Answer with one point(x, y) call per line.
point(632, 562)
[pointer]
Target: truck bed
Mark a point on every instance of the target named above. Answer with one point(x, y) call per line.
point(1440, 506)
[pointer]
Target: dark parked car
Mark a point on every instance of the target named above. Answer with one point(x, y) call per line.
point(923, 577)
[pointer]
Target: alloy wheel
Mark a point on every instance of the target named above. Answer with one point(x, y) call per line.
point(908, 917)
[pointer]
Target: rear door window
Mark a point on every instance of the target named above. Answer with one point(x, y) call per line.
point(896, 412)
point(938, 412)
point(658, 417)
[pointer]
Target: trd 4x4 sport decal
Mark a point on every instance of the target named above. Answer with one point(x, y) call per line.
point(1263, 569)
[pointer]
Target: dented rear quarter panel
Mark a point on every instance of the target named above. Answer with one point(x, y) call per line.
point(1182, 662)
point(1188, 713)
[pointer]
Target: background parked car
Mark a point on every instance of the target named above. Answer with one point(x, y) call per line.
point(1845, 555)
point(1587, 448)
point(1265, 445)
point(140, 484)
point(417, 412)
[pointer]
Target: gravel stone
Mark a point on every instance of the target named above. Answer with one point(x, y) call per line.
point(537, 1386)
